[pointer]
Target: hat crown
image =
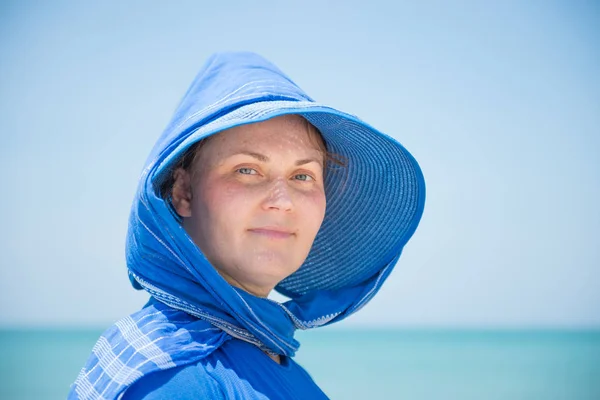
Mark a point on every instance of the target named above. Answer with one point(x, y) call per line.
point(230, 80)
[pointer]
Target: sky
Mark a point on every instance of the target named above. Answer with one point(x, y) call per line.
point(499, 102)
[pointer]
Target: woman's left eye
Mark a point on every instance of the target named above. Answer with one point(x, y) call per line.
point(304, 177)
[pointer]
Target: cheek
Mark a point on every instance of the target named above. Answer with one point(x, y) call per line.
point(222, 201)
point(313, 210)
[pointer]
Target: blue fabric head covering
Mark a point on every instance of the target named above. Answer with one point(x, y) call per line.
point(374, 205)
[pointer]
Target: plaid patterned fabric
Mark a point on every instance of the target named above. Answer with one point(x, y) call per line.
point(156, 338)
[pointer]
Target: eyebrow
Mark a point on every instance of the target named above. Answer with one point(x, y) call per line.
point(263, 158)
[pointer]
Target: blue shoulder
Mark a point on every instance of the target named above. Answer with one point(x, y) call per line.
point(185, 382)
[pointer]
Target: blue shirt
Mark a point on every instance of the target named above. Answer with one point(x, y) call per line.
point(237, 370)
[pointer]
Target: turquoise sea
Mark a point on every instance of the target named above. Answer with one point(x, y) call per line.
point(362, 364)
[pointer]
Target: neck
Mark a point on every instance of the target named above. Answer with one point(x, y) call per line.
point(276, 357)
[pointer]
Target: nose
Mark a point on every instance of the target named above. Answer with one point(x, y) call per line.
point(279, 196)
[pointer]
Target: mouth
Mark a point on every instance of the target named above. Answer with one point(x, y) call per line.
point(272, 232)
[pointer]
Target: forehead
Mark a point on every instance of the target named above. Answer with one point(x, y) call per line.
point(287, 133)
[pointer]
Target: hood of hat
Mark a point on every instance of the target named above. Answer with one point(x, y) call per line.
point(227, 81)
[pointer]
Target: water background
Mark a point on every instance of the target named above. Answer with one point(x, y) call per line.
point(362, 364)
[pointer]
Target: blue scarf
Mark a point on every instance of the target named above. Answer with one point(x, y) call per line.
point(193, 309)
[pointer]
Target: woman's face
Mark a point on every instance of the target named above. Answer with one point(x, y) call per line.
point(253, 200)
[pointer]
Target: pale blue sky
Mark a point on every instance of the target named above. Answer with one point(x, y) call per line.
point(499, 103)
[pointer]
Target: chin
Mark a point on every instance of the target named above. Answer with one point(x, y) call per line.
point(270, 274)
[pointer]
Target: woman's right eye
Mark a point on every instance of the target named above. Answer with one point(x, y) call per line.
point(247, 171)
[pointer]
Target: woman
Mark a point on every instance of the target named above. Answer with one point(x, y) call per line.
point(252, 187)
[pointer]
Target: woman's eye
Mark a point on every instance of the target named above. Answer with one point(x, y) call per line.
point(246, 171)
point(303, 177)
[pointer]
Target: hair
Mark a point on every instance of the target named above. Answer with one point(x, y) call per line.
point(332, 162)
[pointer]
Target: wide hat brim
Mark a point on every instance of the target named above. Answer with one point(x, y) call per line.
point(374, 202)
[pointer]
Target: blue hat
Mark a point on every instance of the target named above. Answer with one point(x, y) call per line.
point(374, 204)
point(373, 207)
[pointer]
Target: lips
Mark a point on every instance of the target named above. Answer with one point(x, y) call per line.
point(272, 232)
